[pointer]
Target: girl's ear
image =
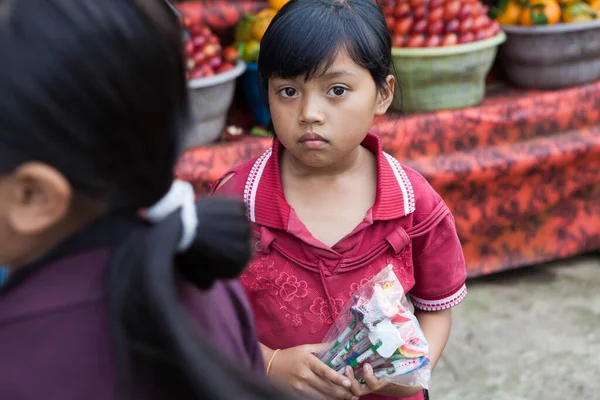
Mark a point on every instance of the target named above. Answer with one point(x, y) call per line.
point(385, 96)
point(40, 197)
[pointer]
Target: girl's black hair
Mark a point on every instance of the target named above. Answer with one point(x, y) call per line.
point(306, 35)
point(96, 89)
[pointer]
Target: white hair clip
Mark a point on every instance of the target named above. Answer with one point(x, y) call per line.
point(180, 195)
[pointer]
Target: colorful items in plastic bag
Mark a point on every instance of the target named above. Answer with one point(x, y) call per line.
point(378, 327)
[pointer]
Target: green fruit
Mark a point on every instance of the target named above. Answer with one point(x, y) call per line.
point(251, 51)
point(258, 131)
point(243, 30)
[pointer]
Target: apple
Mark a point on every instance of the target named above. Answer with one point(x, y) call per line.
point(452, 26)
point(480, 22)
point(450, 39)
point(226, 66)
point(199, 57)
point(390, 22)
point(211, 50)
point(401, 10)
point(416, 40)
point(189, 48)
point(451, 10)
point(432, 41)
point(466, 38)
point(190, 64)
point(398, 40)
point(403, 26)
point(436, 28)
point(214, 62)
point(419, 26)
point(466, 25)
point(465, 11)
point(198, 41)
point(436, 3)
point(435, 15)
point(230, 54)
point(419, 13)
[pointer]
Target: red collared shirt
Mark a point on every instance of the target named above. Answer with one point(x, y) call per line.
point(297, 285)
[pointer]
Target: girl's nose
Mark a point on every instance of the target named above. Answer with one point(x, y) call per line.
point(311, 112)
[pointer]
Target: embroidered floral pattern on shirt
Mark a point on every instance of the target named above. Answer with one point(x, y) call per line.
point(290, 287)
point(322, 313)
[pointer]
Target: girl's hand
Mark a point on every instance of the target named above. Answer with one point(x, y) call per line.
point(372, 385)
point(299, 369)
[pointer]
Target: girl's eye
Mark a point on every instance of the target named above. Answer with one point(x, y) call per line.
point(288, 92)
point(338, 91)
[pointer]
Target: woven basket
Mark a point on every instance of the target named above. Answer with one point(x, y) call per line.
point(441, 78)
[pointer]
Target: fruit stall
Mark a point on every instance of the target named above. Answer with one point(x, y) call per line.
point(500, 112)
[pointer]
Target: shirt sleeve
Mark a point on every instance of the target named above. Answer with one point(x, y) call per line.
point(439, 268)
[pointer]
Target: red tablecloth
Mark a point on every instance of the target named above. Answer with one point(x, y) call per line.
point(521, 173)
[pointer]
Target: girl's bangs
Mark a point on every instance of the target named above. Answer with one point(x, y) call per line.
point(312, 40)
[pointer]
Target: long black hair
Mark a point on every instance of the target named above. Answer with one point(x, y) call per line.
point(306, 35)
point(96, 89)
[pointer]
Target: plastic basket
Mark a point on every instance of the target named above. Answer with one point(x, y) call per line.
point(253, 94)
point(441, 78)
point(552, 57)
point(210, 100)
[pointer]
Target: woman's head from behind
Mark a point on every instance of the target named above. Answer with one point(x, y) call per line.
point(325, 67)
point(92, 104)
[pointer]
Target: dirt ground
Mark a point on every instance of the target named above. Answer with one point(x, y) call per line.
point(528, 334)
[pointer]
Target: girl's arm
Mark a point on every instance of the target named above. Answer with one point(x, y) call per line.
point(436, 328)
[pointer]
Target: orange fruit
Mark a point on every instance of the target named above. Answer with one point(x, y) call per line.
point(541, 12)
point(262, 22)
point(277, 4)
point(507, 12)
point(595, 4)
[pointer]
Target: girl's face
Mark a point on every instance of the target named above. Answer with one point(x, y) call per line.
point(323, 120)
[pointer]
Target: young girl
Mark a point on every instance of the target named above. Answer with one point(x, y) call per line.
point(92, 106)
point(329, 208)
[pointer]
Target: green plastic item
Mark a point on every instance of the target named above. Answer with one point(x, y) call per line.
point(443, 78)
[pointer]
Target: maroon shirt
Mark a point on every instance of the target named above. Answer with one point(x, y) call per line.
point(54, 330)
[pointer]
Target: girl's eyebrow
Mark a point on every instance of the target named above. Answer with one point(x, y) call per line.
point(336, 74)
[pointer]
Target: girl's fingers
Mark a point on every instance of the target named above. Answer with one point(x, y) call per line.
point(373, 382)
point(322, 370)
point(327, 389)
point(357, 388)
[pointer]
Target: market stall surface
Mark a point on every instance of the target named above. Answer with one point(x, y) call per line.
point(528, 334)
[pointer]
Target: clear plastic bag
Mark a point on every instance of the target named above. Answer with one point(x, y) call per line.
point(377, 326)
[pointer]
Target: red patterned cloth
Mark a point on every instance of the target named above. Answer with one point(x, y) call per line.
point(297, 285)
